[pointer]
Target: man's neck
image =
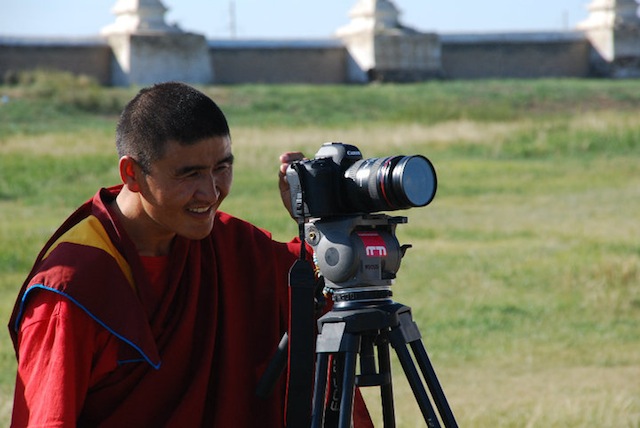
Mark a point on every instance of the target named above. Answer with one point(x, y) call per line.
point(148, 240)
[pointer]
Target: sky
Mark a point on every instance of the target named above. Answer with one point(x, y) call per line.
point(252, 19)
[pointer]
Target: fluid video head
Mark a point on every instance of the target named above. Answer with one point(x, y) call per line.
point(358, 256)
point(338, 182)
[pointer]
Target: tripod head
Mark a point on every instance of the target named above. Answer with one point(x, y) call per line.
point(358, 256)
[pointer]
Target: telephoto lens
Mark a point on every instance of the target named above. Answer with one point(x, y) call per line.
point(391, 183)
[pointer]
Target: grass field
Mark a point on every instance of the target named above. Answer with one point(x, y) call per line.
point(524, 276)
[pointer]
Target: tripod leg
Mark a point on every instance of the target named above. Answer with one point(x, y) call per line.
point(349, 381)
point(386, 389)
point(420, 393)
point(320, 390)
point(434, 385)
point(342, 379)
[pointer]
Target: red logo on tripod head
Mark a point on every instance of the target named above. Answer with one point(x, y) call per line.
point(374, 245)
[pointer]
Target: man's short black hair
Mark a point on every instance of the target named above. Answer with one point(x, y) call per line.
point(167, 112)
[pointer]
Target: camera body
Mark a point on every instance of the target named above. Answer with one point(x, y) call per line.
point(339, 182)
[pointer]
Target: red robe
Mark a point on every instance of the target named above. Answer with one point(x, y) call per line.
point(191, 359)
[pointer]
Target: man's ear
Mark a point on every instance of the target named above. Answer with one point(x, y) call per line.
point(130, 173)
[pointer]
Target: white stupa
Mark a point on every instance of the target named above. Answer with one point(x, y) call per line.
point(384, 49)
point(613, 28)
point(147, 50)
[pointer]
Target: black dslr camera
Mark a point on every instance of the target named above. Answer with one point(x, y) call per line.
point(338, 181)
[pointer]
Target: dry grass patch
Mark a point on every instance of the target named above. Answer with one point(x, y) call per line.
point(80, 142)
point(546, 397)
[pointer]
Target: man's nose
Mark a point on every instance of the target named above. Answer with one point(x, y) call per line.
point(209, 187)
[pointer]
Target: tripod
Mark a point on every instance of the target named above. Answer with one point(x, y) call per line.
point(358, 257)
point(349, 332)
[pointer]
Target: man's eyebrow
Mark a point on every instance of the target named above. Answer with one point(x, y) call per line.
point(228, 159)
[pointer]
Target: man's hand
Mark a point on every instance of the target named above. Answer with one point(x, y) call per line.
point(285, 160)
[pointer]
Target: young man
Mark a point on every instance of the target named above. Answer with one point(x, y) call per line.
point(149, 307)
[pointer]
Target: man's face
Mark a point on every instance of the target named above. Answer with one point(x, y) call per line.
point(186, 186)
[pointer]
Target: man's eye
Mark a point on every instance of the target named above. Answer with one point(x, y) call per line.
point(192, 174)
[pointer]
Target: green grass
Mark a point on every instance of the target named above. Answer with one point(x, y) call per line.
point(525, 270)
